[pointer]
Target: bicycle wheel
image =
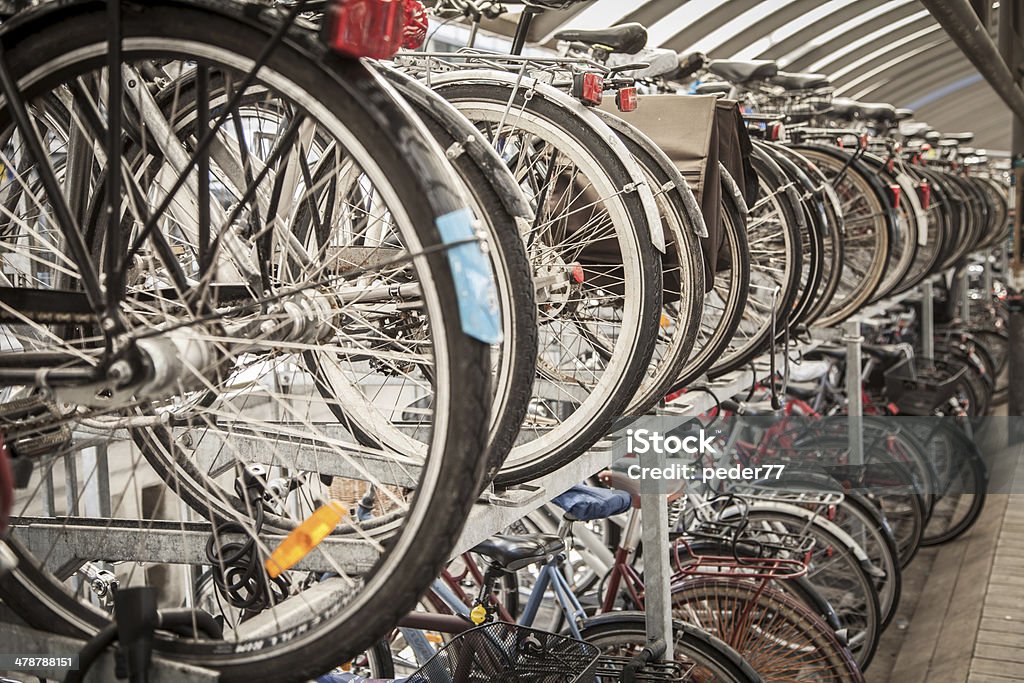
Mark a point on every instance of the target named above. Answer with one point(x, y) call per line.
point(779, 637)
point(868, 231)
point(592, 250)
point(500, 205)
point(931, 216)
point(832, 262)
point(864, 522)
point(836, 570)
point(962, 479)
point(726, 301)
point(625, 634)
point(908, 220)
point(61, 48)
point(682, 265)
point(774, 230)
point(812, 213)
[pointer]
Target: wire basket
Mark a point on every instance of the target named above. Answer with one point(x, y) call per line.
point(507, 653)
point(918, 386)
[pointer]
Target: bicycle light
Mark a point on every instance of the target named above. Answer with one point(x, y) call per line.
point(588, 88)
point(304, 538)
point(366, 28)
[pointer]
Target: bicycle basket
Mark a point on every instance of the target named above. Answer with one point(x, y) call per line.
point(918, 386)
point(507, 653)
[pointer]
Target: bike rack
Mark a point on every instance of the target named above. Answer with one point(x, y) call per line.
point(494, 511)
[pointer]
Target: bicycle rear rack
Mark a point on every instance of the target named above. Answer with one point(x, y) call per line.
point(610, 668)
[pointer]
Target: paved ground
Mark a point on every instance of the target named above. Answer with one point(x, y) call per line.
point(961, 617)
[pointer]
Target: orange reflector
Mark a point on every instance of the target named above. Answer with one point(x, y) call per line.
point(666, 322)
point(435, 638)
point(304, 538)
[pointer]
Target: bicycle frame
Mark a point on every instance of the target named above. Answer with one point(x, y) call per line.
point(446, 591)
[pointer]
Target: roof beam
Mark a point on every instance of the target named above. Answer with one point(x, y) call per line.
point(920, 78)
point(967, 31)
point(834, 15)
point(765, 27)
point(817, 45)
point(915, 78)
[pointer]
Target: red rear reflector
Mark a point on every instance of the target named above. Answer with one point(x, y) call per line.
point(588, 88)
point(366, 28)
point(416, 24)
point(924, 193)
point(894, 194)
point(626, 99)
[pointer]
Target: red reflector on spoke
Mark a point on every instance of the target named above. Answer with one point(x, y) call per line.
point(588, 88)
point(626, 99)
point(366, 28)
point(577, 274)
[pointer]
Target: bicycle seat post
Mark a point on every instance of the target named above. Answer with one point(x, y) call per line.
point(565, 528)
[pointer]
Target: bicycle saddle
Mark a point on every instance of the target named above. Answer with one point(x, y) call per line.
point(741, 72)
point(625, 38)
point(714, 88)
point(512, 553)
point(914, 129)
point(851, 109)
point(803, 390)
point(887, 354)
point(959, 137)
point(793, 81)
point(902, 114)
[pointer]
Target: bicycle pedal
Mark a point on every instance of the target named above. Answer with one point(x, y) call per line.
point(39, 444)
point(21, 408)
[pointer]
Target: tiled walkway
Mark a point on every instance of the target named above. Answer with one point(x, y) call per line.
point(962, 616)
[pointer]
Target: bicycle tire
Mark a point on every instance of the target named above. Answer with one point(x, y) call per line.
point(358, 98)
point(712, 657)
point(555, 118)
point(782, 626)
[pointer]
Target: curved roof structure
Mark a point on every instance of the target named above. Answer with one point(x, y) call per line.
point(875, 50)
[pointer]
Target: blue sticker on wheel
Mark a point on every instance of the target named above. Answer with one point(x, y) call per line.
point(474, 279)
